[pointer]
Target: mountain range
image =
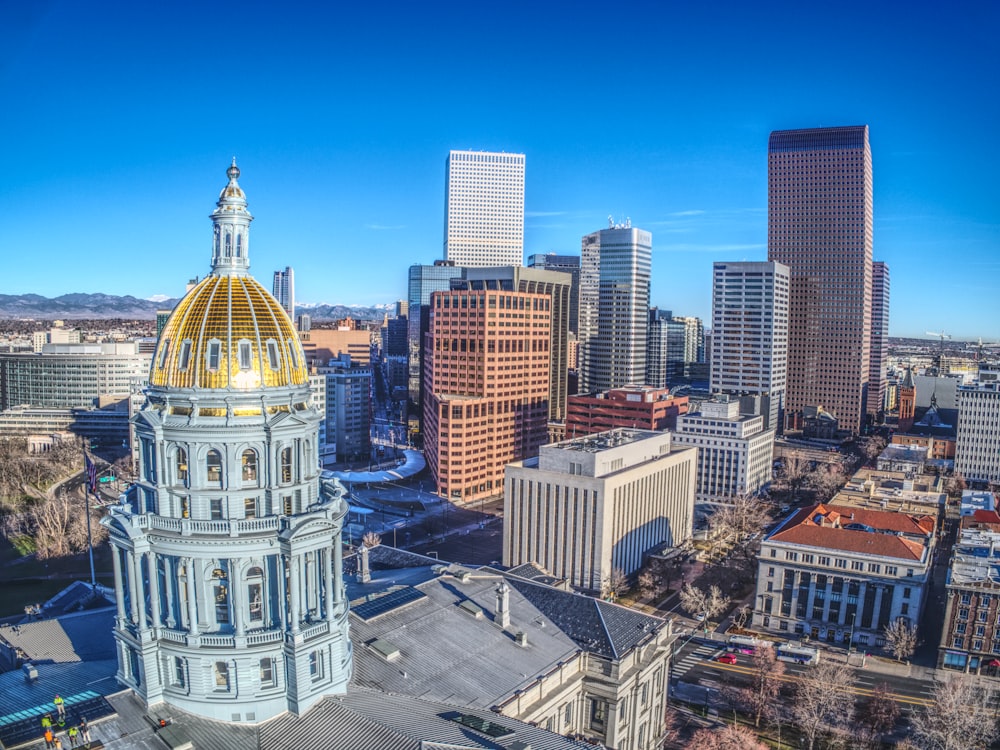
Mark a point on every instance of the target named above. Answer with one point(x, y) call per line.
point(104, 306)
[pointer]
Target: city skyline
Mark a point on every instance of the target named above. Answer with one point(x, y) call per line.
point(123, 132)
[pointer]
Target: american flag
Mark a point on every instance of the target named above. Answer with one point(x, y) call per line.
point(91, 474)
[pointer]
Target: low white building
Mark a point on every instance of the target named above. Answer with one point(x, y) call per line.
point(840, 573)
point(588, 506)
point(734, 450)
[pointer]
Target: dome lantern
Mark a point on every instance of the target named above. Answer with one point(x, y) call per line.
point(231, 228)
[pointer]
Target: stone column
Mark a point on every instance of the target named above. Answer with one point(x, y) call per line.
point(120, 583)
point(294, 583)
point(133, 588)
point(329, 598)
point(237, 596)
point(170, 579)
point(154, 588)
point(338, 568)
point(280, 588)
point(192, 595)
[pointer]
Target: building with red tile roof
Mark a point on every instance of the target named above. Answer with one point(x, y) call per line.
point(841, 573)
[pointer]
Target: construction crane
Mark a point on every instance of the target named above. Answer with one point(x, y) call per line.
point(941, 335)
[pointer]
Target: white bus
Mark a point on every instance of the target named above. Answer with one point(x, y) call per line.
point(742, 644)
point(798, 654)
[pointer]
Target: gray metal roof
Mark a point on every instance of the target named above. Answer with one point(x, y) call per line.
point(82, 636)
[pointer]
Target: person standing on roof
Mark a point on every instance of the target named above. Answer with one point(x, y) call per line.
point(73, 734)
point(49, 737)
point(85, 732)
point(60, 708)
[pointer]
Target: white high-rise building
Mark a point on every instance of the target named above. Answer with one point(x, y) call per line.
point(284, 290)
point(750, 335)
point(977, 445)
point(734, 451)
point(484, 205)
point(615, 265)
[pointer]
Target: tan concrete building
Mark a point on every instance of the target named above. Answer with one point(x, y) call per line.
point(486, 375)
point(592, 505)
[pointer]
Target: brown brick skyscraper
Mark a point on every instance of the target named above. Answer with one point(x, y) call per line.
point(820, 226)
point(486, 375)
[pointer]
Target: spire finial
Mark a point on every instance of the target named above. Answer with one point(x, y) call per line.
point(233, 172)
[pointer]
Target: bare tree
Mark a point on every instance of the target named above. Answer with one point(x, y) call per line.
point(823, 701)
point(876, 717)
point(60, 528)
point(828, 481)
point(873, 447)
point(730, 737)
point(615, 584)
point(697, 601)
point(656, 576)
point(371, 539)
point(760, 695)
point(955, 485)
point(959, 716)
point(900, 638)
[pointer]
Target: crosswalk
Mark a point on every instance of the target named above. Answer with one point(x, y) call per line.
point(704, 651)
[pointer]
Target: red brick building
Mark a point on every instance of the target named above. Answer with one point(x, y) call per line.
point(638, 406)
point(486, 373)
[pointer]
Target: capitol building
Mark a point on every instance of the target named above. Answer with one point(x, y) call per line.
point(238, 620)
point(231, 598)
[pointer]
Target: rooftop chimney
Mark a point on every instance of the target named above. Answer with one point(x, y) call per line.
point(502, 616)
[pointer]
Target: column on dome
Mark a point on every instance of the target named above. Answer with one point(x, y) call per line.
point(133, 589)
point(192, 594)
point(338, 566)
point(294, 583)
point(328, 594)
point(120, 582)
point(170, 582)
point(153, 567)
point(237, 596)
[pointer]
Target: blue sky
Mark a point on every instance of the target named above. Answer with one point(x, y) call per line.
point(119, 120)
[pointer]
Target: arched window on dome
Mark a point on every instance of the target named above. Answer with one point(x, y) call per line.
point(239, 245)
point(229, 244)
point(182, 466)
point(213, 355)
point(293, 354)
point(286, 465)
point(164, 351)
point(255, 594)
point(273, 360)
point(184, 359)
point(249, 461)
point(245, 350)
point(213, 466)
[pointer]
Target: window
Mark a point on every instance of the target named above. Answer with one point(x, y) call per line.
point(293, 356)
point(770, 572)
point(255, 577)
point(214, 354)
point(213, 464)
point(824, 561)
point(245, 354)
point(906, 592)
point(185, 358)
point(966, 597)
point(316, 665)
point(179, 678)
point(182, 466)
point(272, 355)
point(249, 461)
point(891, 570)
point(267, 672)
point(215, 504)
point(598, 714)
point(840, 563)
point(221, 594)
point(286, 465)
point(250, 507)
point(857, 565)
point(164, 352)
point(221, 675)
point(568, 714)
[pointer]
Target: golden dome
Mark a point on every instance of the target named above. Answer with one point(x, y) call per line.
point(228, 332)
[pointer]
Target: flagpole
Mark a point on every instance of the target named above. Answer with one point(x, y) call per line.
point(86, 503)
